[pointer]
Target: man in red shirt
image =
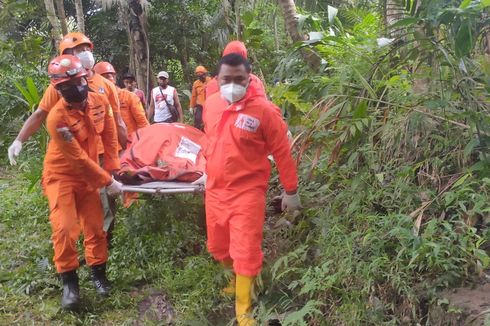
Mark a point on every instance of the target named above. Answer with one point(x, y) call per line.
point(130, 84)
point(243, 128)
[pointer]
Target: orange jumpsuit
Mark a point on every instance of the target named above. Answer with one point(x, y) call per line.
point(213, 87)
point(72, 177)
point(97, 84)
point(198, 95)
point(240, 137)
point(132, 111)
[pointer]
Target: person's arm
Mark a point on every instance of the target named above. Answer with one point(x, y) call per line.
point(64, 140)
point(122, 133)
point(138, 112)
point(108, 136)
point(31, 125)
point(193, 97)
point(142, 98)
point(36, 119)
point(275, 133)
point(178, 106)
point(34, 122)
point(151, 109)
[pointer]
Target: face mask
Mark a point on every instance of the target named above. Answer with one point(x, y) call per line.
point(233, 92)
point(74, 93)
point(87, 59)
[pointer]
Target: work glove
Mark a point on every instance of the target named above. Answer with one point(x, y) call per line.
point(114, 188)
point(201, 180)
point(14, 151)
point(290, 202)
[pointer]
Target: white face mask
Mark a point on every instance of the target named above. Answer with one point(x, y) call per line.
point(87, 59)
point(233, 92)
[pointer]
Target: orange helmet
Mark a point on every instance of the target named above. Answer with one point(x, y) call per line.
point(200, 70)
point(104, 67)
point(235, 47)
point(74, 39)
point(65, 67)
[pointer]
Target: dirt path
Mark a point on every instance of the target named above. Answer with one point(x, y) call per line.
point(463, 306)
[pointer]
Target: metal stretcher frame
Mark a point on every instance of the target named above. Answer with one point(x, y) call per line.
point(164, 187)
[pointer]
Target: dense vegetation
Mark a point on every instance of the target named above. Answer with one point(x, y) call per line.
point(392, 142)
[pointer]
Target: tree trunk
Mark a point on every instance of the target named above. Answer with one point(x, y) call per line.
point(53, 20)
point(227, 6)
point(60, 9)
point(184, 60)
point(276, 33)
point(238, 22)
point(487, 47)
point(291, 19)
point(394, 12)
point(80, 16)
point(138, 43)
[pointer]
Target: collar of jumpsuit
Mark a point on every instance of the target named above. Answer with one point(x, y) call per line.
point(254, 125)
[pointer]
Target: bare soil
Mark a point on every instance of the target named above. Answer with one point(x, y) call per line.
point(463, 306)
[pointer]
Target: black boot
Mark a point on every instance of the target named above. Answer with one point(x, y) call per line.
point(71, 291)
point(101, 283)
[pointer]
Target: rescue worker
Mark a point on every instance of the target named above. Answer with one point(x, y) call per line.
point(72, 176)
point(79, 45)
point(161, 97)
point(129, 82)
point(238, 48)
point(132, 111)
point(198, 95)
point(242, 127)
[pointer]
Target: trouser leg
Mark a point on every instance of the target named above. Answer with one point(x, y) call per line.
point(198, 123)
point(64, 224)
point(218, 232)
point(91, 217)
point(246, 233)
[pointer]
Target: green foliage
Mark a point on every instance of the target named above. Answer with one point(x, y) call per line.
point(393, 144)
point(159, 245)
point(384, 131)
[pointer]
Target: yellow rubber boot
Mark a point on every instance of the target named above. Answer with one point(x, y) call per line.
point(230, 289)
point(243, 300)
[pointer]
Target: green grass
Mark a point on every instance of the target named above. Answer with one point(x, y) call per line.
point(159, 245)
point(351, 258)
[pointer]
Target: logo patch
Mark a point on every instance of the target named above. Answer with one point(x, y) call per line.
point(247, 122)
point(187, 149)
point(65, 133)
point(101, 90)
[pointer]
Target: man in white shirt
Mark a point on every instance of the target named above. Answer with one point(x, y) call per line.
point(163, 98)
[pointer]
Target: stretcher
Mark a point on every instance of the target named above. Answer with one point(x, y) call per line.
point(164, 187)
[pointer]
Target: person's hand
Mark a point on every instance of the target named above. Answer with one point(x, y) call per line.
point(192, 110)
point(201, 180)
point(14, 151)
point(290, 202)
point(115, 188)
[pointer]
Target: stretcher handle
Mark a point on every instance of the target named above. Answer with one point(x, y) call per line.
point(162, 190)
